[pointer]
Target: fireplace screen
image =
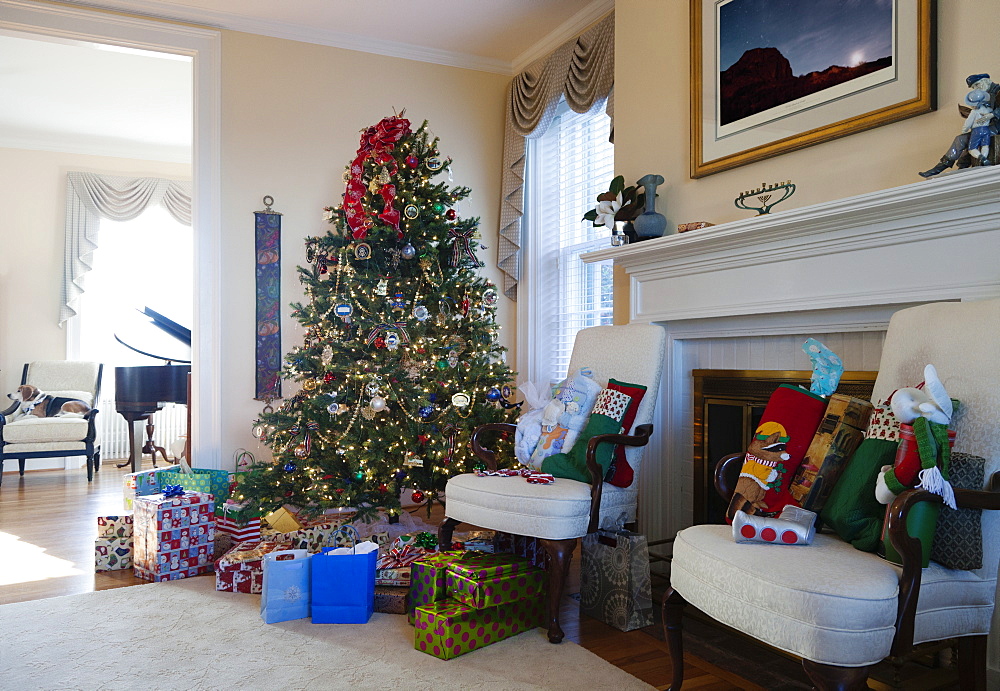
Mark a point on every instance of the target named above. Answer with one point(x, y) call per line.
point(728, 405)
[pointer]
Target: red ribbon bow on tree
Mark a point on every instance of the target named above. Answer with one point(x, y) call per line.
point(376, 143)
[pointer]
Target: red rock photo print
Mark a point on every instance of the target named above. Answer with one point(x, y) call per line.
point(772, 52)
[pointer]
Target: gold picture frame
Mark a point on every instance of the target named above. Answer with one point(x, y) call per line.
point(902, 90)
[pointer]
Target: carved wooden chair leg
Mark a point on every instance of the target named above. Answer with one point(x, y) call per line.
point(560, 555)
point(445, 532)
point(972, 662)
point(673, 608)
point(832, 678)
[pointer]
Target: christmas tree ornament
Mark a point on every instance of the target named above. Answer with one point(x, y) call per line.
point(289, 467)
point(367, 413)
point(335, 408)
point(426, 411)
point(417, 496)
point(326, 357)
point(451, 214)
point(493, 394)
point(434, 163)
point(411, 212)
point(329, 377)
point(442, 364)
point(460, 400)
point(408, 251)
point(302, 450)
point(360, 475)
point(490, 297)
point(391, 340)
point(344, 310)
point(399, 475)
point(421, 313)
point(438, 207)
point(373, 186)
point(452, 358)
point(398, 302)
point(379, 342)
point(362, 251)
point(414, 462)
point(412, 161)
point(383, 488)
point(382, 288)
point(464, 305)
point(310, 253)
point(378, 404)
point(309, 384)
point(383, 176)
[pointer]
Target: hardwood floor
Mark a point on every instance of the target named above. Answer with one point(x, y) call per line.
point(47, 530)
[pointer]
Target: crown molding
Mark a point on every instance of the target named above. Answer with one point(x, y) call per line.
point(174, 12)
point(98, 146)
point(570, 29)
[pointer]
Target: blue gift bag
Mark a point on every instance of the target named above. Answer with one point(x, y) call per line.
point(343, 583)
point(285, 592)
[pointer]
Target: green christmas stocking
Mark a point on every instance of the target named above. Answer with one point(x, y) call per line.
point(606, 418)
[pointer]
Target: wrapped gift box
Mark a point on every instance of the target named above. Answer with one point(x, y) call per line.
point(239, 533)
point(142, 484)
point(204, 480)
point(112, 553)
point(428, 579)
point(477, 540)
point(397, 577)
point(528, 547)
point(483, 580)
point(393, 566)
point(449, 629)
point(173, 536)
point(241, 569)
point(422, 540)
point(240, 513)
point(313, 538)
point(114, 526)
point(391, 600)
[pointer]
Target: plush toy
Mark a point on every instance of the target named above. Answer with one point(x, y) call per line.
point(554, 427)
point(529, 425)
point(924, 413)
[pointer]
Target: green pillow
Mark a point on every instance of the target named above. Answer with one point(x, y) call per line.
point(606, 418)
point(852, 509)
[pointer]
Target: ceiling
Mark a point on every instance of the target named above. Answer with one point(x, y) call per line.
point(81, 97)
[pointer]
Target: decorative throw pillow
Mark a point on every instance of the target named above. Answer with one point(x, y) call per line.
point(620, 474)
point(781, 440)
point(606, 418)
point(958, 538)
point(852, 510)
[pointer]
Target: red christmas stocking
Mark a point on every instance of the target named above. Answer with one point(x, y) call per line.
point(786, 429)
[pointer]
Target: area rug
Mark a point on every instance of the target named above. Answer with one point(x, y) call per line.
point(186, 635)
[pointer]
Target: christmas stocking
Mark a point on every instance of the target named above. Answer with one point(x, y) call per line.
point(606, 418)
point(778, 446)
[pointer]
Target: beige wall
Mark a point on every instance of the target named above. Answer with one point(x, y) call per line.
point(291, 114)
point(652, 122)
point(31, 248)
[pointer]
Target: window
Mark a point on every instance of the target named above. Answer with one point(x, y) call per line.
point(143, 262)
point(566, 169)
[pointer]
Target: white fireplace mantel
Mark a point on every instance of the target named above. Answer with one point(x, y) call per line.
point(937, 239)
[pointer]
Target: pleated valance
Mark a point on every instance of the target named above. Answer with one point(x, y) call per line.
point(582, 71)
point(91, 197)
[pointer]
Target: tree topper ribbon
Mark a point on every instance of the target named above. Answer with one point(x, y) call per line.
point(460, 245)
point(377, 143)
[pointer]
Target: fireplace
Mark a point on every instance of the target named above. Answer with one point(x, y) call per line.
point(727, 407)
point(744, 295)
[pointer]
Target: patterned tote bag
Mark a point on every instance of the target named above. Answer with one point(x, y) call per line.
point(614, 579)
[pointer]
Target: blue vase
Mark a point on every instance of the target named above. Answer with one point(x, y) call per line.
point(650, 224)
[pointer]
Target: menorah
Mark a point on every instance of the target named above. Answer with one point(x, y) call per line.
point(764, 193)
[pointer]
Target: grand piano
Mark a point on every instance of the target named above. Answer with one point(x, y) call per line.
point(141, 391)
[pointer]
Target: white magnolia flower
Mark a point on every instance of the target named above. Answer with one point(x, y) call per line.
point(606, 211)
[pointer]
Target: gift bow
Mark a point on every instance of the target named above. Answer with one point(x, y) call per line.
point(399, 557)
point(377, 142)
point(170, 491)
point(460, 246)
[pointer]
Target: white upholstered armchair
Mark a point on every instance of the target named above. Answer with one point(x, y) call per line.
point(34, 437)
point(560, 513)
point(840, 609)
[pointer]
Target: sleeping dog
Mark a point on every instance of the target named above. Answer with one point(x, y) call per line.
point(35, 402)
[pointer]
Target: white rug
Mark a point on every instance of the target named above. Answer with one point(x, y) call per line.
point(185, 635)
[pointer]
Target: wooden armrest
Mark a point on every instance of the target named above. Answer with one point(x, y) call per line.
point(487, 456)
point(9, 411)
point(726, 474)
point(639, 438)
point(910, 552)
point(91, 417)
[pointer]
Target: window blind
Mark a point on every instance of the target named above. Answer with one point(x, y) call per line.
point(573, 163)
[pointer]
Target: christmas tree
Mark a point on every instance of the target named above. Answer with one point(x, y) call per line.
point(400, 360)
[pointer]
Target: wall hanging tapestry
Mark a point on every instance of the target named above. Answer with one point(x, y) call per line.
point(268, 351)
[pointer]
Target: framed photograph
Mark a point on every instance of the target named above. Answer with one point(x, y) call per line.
point(772, 76)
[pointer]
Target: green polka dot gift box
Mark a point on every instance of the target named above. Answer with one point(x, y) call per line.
point(483, 580)
point(449, 629)
point(428, 579)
